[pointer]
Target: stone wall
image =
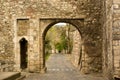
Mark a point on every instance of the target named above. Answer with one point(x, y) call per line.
point(116, 50)
point(34, 10)
point(6, 40)
point(93, 37)
point(106, 20)
point(76, 50)
point(116, 37)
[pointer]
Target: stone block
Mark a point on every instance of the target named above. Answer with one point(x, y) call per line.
point(116, 53)
point(31, 62)
point(116, 65)
point(116, 6)
point(116, 1)
point(32, 68)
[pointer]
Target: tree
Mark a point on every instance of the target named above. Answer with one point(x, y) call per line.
point(59, 38)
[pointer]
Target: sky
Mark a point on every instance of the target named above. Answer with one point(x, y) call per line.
point(60, 24)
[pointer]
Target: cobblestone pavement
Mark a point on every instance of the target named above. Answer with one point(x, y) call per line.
point(60, 68)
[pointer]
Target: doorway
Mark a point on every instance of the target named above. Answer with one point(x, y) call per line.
point(23, 53)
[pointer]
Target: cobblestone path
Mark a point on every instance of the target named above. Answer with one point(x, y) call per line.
point(60, 68)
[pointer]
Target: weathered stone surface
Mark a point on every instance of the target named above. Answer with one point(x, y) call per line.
point(76, 51)
point(116, 37)
point(23, 26)
point(100, 20)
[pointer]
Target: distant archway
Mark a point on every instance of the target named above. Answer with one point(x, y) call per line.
point(23, 53)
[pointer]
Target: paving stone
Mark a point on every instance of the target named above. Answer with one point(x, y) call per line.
point(60, 68)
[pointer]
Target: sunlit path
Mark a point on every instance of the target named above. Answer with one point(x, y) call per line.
point(60, 68)
point(59, 62)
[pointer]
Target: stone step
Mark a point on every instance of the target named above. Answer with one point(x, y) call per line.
point(9, 75)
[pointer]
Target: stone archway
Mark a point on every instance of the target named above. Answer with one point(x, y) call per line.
point(91, 60)
point(47, 25)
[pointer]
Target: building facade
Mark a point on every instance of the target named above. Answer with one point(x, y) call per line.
point(24, 24)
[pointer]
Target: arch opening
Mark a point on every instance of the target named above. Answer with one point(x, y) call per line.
point(72, 42)
point(23, 53)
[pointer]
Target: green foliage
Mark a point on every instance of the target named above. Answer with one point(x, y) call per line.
point(62, 45)
point(64, 42)
point(47, 48)
point(47, 43)
point(47, 56)
point(59, 47)
point(59, 38)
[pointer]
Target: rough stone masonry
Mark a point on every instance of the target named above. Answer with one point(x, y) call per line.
point(96, 20)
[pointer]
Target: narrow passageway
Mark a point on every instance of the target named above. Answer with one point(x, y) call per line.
point(59, 67)
point(59, 62)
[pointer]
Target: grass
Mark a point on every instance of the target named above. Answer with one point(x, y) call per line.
point(47, 56)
